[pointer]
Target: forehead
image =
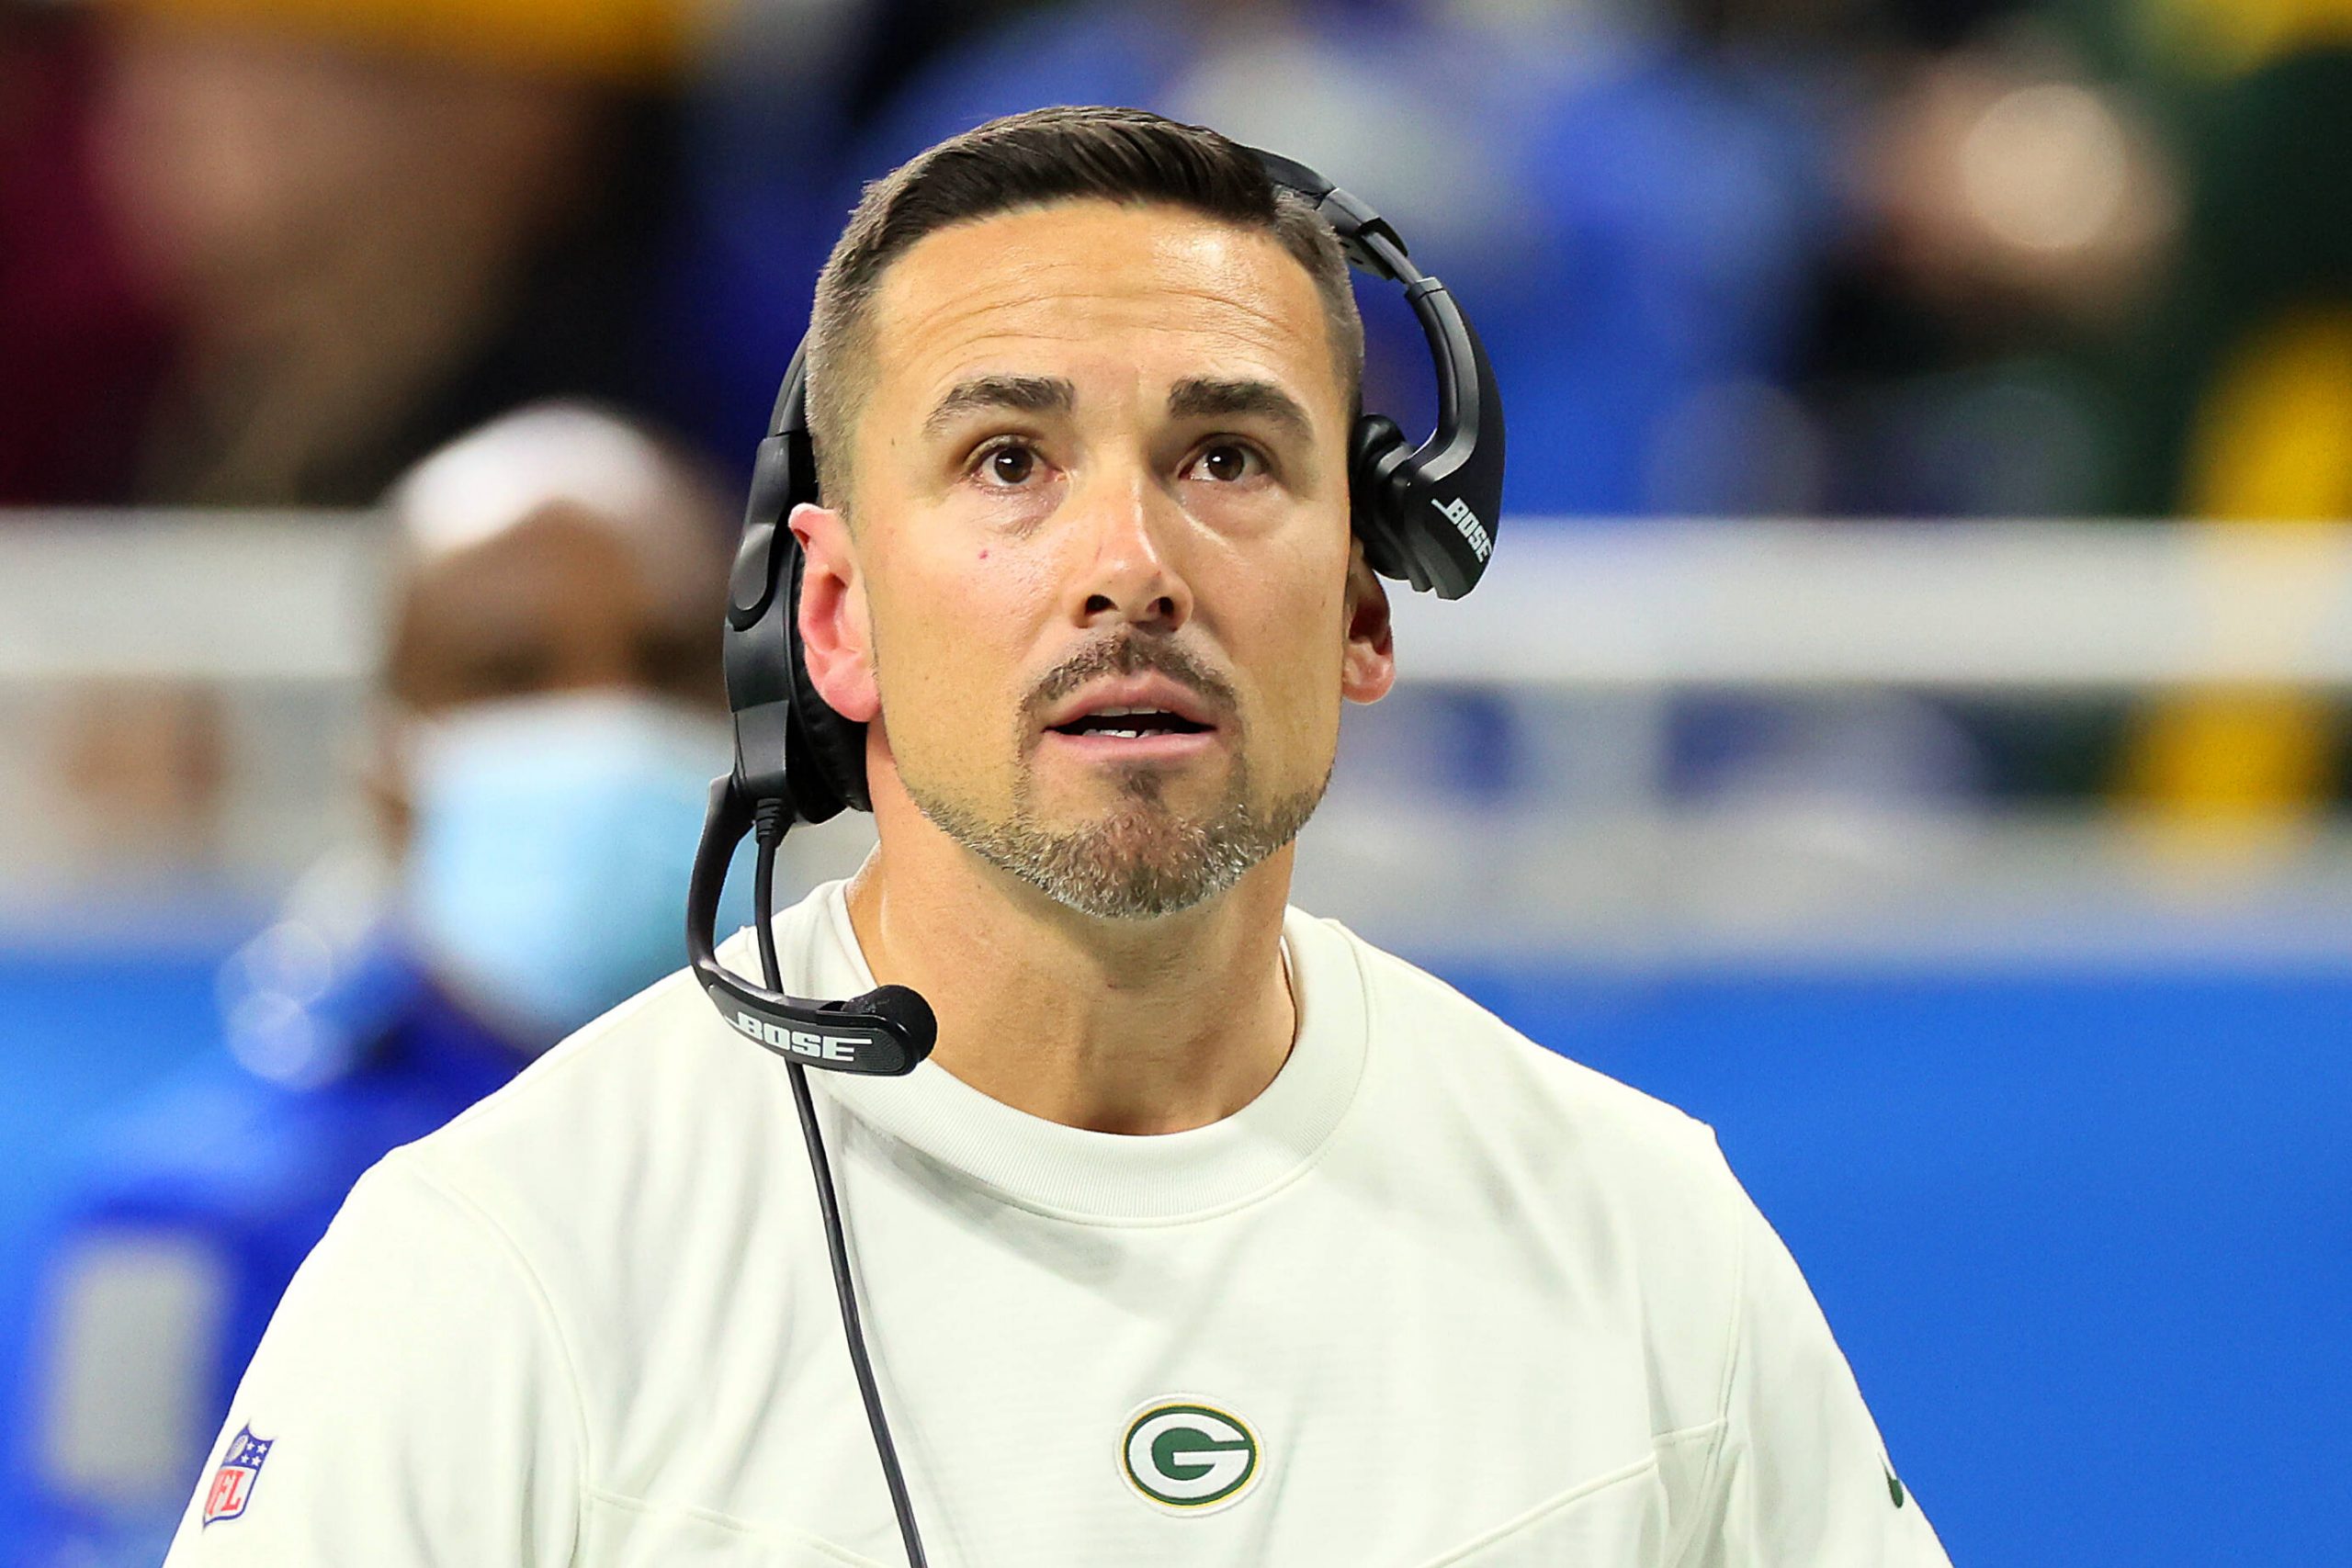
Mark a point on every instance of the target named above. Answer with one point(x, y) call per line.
point(1139, 292)
point(558, 580)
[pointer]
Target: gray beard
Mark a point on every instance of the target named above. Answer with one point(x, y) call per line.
point(1141, 862)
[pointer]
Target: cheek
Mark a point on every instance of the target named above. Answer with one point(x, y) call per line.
point(1296, 641)
point(952, 642)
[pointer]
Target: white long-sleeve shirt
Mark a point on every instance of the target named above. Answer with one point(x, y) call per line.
point(1435, 1297)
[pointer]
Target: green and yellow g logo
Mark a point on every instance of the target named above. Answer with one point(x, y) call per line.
point(1187, 1456)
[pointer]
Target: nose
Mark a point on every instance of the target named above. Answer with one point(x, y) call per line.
point(1125, 570)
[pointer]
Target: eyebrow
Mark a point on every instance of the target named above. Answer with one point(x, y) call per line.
point(1030, 394)
point(1202, 396)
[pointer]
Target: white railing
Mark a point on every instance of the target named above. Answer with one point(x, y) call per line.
point(1987, 606)
point(2018, 606)
point(197, 595)
point(1590, 632)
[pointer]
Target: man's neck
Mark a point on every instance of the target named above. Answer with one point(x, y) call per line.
point(1115, 1026)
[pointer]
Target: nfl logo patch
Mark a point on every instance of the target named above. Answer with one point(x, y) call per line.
point(233, 1484)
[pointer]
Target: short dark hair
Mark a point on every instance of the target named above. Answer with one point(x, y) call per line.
point(1067, 153)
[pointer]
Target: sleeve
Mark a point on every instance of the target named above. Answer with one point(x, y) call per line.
point(410, 1403)
point(1800, 1478)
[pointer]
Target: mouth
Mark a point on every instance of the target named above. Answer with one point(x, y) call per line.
point(1131, 723)
point(1137, 718)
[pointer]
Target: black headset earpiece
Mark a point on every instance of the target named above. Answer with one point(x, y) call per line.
point(1426, 514)
point(789, 743)
point(1376, 448)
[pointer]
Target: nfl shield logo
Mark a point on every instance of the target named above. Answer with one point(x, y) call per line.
point(233, 1484)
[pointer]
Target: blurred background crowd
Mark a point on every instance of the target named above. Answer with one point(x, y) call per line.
point(446, 327)
point(1843, 257)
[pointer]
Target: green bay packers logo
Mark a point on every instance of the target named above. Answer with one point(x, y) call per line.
point(1187, 1456)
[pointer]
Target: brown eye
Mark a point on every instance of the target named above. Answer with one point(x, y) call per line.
point(1012, 465)
point(1226, 463)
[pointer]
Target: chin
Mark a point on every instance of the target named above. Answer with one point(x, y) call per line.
point(1136, 844)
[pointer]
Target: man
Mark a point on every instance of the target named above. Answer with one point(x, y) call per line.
point(1208, 1233)
point(548, 731)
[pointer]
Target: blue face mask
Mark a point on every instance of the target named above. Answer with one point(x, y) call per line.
point(546, 876)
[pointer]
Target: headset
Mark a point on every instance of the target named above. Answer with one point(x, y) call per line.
point(1426, 514)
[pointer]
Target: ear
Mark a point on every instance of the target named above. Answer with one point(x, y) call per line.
point(836, 639)
point(1368, 667)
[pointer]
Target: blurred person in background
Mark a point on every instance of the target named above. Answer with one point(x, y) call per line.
point(2002, 208)
point(2245, 397)
point(2015, 208)
point(550, 723)
point(81, 345)
point(368, 225)
point(2007, 212)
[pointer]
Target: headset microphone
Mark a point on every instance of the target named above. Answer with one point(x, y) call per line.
point(1426, 514)
point(884, 1032)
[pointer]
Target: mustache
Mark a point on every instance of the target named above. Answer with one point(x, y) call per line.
point(1126, 653)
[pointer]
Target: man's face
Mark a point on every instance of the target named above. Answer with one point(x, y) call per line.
point(1100, 466)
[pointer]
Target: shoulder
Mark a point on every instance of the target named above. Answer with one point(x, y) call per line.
point(645, 1082)
point(624, 1182)
point(1622, 1192)
point(656, 1094)
point(1453, 1047)
point(412, 1320)
point(624, 1159)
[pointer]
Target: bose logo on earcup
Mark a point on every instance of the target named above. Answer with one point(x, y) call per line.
point(798, 1042)
point(1465, 523)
